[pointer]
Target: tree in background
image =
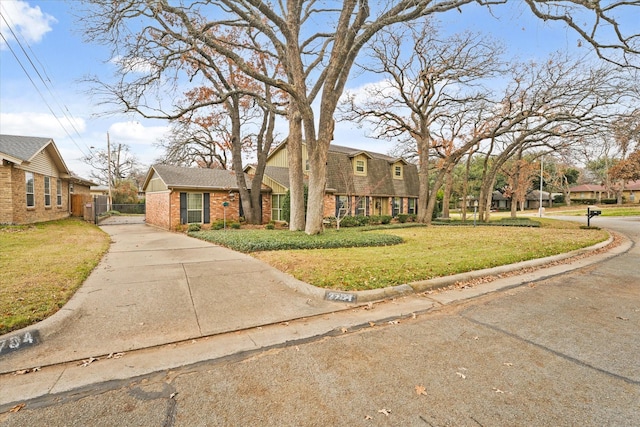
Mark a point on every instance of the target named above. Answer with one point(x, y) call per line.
point(123, 164)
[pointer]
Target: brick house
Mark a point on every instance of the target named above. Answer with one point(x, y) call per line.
point(35, 183)
point(359, 182)
point(631, 192)
point(177, 196)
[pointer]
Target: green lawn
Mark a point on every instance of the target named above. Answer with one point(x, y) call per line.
point(42, 265)
point(426, 252)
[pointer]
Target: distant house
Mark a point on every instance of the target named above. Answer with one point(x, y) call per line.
point(531, 201)
point(589, 192)
point(35, 183)
point(359, 182)
point(178, 196)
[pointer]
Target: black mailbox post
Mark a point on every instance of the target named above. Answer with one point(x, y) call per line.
point(592, 213)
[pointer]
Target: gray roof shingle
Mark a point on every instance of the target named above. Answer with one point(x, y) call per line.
point(22, 147)
point(213, 179)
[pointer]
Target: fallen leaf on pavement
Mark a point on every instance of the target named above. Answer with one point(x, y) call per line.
point(622, 318)
point(497, 390)
point(461, 375)
point(372, 324)
point(344, 330)
point(88, 362)
point(172, 395)
point(420, 389)
point(115, 355)
point(384, 411)
point(368, 417)
point(508, 364)
point(393, 322)
point(369, 306)
point(17, 407)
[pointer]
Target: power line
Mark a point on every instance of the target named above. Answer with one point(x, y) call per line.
point(69, 118)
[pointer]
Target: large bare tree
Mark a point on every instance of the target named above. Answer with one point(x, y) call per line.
point(315, 43)
point(428, 78)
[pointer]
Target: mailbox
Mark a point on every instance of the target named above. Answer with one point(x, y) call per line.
point(591, 213)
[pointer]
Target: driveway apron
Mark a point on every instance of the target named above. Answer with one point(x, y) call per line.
point(155, 287)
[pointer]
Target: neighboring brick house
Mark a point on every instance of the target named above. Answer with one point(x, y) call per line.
point(631, 192)
point(177, 195)
point(359, 182)
point(35, 183)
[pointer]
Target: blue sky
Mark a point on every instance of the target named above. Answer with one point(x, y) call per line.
point(57, 105)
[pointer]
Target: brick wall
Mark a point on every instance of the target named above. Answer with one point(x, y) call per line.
point(157, 209)
point(6, 195)
point(40, 212)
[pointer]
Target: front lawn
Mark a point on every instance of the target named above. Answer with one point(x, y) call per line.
point(426, 252)
point(42, 265)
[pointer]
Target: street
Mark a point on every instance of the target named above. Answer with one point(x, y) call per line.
point(559, 351)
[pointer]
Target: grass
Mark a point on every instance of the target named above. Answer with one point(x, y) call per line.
point(42, 265)
point(607, 210)
point(429, 252)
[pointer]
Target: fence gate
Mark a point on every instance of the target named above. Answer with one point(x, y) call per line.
point(78, 202)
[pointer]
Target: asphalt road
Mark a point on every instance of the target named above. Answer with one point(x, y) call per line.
point(560, 351)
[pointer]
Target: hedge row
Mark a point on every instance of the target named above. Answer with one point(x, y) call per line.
point(274, 240)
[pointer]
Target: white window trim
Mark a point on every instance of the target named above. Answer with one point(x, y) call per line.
point(47, 191)
point(201, 210)
point(33, 189)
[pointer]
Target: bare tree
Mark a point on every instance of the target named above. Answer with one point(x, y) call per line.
point(423, 86)
point(315, 44)
point(123, 164)
point(203, 142)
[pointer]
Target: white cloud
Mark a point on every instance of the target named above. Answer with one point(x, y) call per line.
point(39, 124)
point(133, 65)
point(30, 23)
point(135, 133)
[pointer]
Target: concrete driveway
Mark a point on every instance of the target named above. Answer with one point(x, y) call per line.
point(155, 287)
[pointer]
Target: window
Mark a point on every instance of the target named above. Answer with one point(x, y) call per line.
point(411, 206)
point(31, 201)
point(277, 203)
point(194, 208)
point(397, 172)
point(397, 206)
point(361, 206)
point(59, 192)
point(342, 206)
point(47, 191)
point(360, 167)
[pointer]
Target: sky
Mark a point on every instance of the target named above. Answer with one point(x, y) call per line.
point(43, 60)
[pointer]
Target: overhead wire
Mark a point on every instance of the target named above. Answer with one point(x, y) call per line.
point(69, 118)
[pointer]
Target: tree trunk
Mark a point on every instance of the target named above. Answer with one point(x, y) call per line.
point(448, 186)
point(318, 151)
point(296, 176)
point(236, 161)
point(423, 178)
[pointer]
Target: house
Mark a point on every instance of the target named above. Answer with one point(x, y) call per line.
point(177, 196)
point(587, 192)
point(35, 183)
point(359, 182)
point(595, 193)
point(531, 201)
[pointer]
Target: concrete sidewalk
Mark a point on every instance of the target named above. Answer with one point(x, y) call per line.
point(166, 300)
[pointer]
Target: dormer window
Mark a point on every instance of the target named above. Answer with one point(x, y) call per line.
point(397, 171)
point(360, 166)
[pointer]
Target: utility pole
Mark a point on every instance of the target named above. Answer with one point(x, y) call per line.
point(109, 169)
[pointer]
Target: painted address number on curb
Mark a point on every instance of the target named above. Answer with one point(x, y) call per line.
point(340, 296)
point(16, 342)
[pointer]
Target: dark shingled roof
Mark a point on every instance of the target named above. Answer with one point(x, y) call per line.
point(378, 183)
point(278, 174)
point(22, 147)
point(213, 179)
